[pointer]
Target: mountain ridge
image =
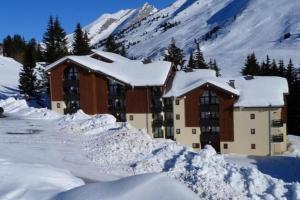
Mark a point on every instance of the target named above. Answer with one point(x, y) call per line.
point(228, 30)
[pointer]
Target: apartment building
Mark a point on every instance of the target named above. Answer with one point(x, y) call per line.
point(239, 115)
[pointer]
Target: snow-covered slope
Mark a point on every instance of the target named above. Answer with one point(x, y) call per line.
point(229, 30)
point(9, 77)
point(107, 23)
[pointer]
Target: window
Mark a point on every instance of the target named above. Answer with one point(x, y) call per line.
point(131, 117)
point(225, 146)
point(178, 131)
point(252, 131)
point(169, 132)
point(177, 117)
point(177, 102)
point(158, 132)
point(252, 116)
point(194, 131)
point(58, 105)
point(210, 129)
point(71, 73)
point(196, 145)
point(253, 146)
point(209, 97)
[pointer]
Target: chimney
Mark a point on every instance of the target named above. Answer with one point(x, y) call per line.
point(232, 83)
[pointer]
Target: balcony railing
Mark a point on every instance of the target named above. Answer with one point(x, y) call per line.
point(69, 83)
point(168, 108)
point(277, 138)
point(156, 108)
point(71, 96)
point(169, 122)
point(277, 123)
point(157, 123)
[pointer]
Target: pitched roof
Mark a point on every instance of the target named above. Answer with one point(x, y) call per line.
point(259, 91)
point(185, 82)
point(132, 72)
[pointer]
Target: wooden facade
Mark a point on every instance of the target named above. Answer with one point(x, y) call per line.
point(227, 100)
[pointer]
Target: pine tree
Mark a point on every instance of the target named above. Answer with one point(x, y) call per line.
point(281, 69)
point(60, 41)
point(216, 68)
point(199, 62)
point(291, 73)
point(274, 68)
point(113, 46)
point(265, 68)
point(174, 55)
point(27, 75)
point(81, 42)
point(48, 39)
point(251, 66)
point(55, 41)
point(191, 61)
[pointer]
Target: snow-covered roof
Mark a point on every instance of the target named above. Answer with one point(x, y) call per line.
point(132, 72)
point(185, 82)
point(260, 91)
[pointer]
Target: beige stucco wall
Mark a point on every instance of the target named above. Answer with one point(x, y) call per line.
point(140, 121)
point(54, 106)
point(242, 132)
point(186, 137)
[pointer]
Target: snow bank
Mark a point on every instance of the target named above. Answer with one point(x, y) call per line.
point(33, 182)
point(294, 142)
point(83, 123)
point(9, 77)
point(19, 107)
point(146, 187)
point(206, 173)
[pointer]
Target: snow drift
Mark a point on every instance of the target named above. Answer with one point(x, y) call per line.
point(146, 187)
point(9, 77)
point(130, 151)
point(119, 149)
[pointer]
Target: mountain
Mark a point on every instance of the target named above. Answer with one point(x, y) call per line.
point(228, 29)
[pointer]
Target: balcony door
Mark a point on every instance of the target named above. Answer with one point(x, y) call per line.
point(71, 90)
point(209, 120)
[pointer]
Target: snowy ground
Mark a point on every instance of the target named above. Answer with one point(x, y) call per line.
point(35, 144)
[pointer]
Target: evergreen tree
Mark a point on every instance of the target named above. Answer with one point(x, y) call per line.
point(265, 68)
point(49, 42)
point(291, 73)
point(191, 61)
point(81, 42)
point(60, 41)
point(113, 46)
point(274, 68)
point(199, 62)
point(281, 69)
point(55, 41)
point(27, 75)
point(14, 46)
point(251, 66)
point(216, 68)
point(174, 55)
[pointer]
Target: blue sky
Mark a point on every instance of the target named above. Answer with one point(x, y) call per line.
point(29, 17)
